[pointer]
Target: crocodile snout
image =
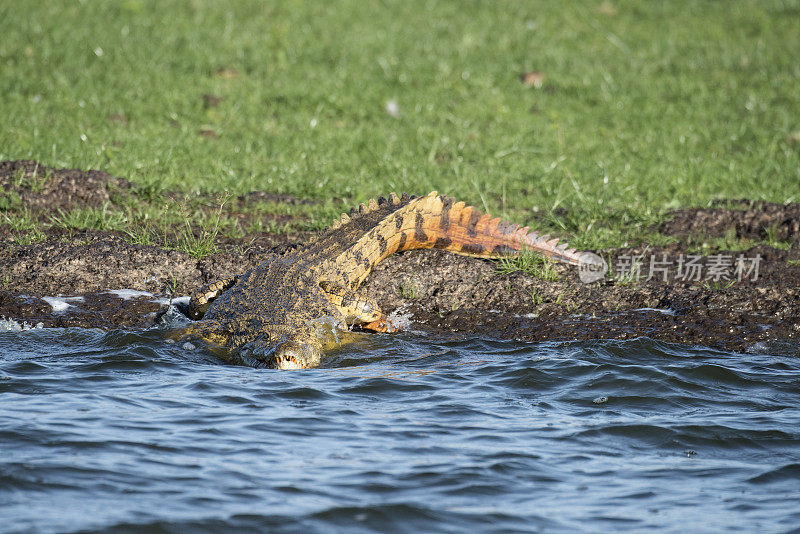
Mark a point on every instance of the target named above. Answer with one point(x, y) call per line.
point(294, 355)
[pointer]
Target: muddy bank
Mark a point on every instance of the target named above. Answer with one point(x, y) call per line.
point(729, 299)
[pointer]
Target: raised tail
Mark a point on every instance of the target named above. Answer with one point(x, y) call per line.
point(435, 221)
point(403, 223)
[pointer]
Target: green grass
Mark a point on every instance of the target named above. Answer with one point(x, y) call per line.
point(718, 285)
point(645, 107)
point(24, 228)
point(204, 244)
point(9, 201)
point(530, 263)
point(408, 290)
point(90, 218)
point(773, 241)
point(35, 182)
point(182, 227)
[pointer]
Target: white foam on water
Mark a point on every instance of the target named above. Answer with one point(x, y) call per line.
point(401, 318)
point(10, 325)
point(126, 294)
point(165, 301)
point(171, 318)
point(61, 304)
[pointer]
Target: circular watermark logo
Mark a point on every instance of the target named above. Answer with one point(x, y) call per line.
point(591, 268)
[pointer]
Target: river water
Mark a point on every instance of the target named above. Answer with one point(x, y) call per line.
point(122, 432)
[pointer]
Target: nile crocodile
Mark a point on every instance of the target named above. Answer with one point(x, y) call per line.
point(272, 315)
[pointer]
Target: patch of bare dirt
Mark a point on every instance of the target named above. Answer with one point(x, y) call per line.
point(442, 292)
point(747, 219)
point(44, 188)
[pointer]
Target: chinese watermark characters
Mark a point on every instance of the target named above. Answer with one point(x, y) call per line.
point(666, 268)
point(687, 267)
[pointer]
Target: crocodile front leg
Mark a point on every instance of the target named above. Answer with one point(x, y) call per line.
point(356, 308)
point(202, 298)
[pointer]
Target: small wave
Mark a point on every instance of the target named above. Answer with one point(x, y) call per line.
point(784, 473)
point(395, 432)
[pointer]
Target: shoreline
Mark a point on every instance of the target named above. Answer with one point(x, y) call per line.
point(732, 299)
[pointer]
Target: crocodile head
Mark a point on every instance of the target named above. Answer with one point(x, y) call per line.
point(282, 347)
point(275, 346)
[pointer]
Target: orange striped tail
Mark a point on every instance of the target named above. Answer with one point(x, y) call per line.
point(385, 226)
point(435, 221)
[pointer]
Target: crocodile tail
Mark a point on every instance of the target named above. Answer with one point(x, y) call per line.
point(435, 221)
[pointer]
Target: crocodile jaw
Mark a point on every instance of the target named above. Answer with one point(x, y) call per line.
point(296, 355)
point(289, 365)
point(279, 347)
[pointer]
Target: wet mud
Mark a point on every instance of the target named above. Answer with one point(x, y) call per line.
point(440, 293)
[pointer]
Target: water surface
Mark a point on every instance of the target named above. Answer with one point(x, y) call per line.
point(122, 432)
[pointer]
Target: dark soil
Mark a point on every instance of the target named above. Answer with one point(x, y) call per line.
point(440, 292)
point(746, 219)
point(42, 188)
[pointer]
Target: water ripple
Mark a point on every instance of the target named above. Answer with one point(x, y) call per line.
point(120, 431)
